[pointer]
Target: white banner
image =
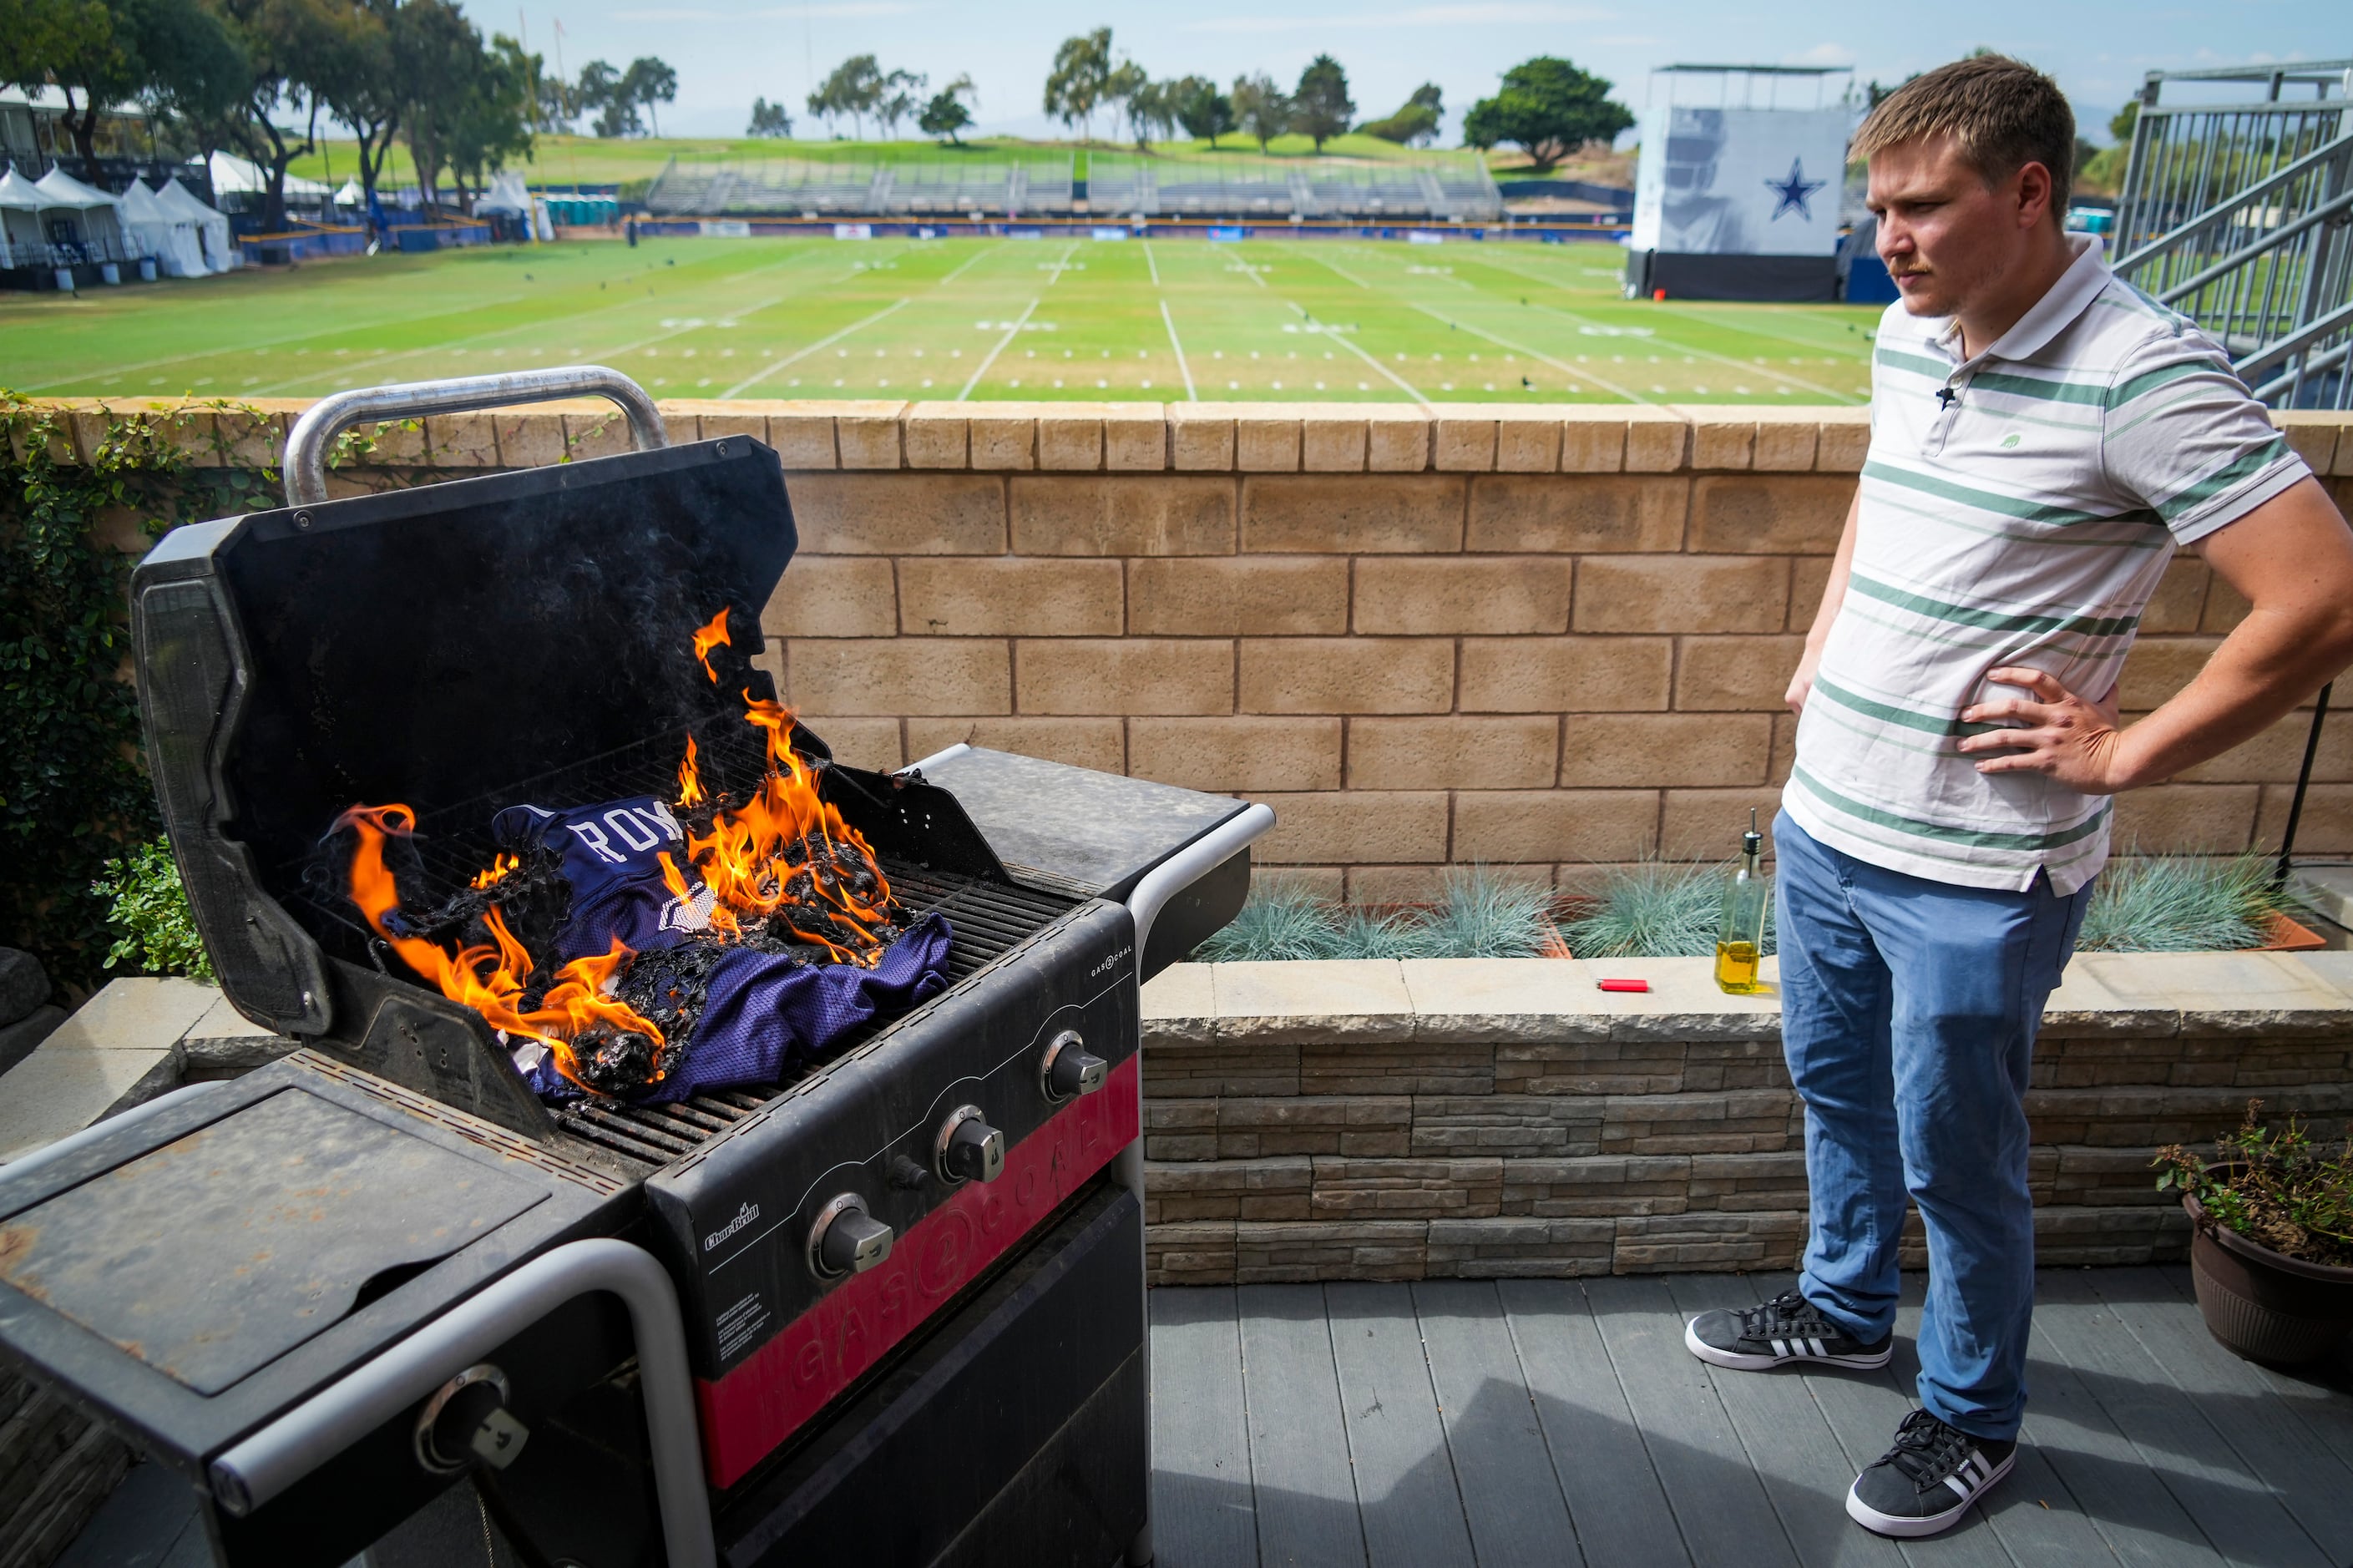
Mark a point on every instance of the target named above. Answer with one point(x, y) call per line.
point(1739, 182)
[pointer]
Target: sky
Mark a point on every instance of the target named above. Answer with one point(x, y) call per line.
point(727, 52)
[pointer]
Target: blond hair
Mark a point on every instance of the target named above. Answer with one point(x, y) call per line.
point(2003, 114)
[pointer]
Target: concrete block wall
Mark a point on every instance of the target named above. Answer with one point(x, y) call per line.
point(1539, 637)
point(1504, 1118)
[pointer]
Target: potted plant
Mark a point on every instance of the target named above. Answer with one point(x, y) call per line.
point(2271, 1247)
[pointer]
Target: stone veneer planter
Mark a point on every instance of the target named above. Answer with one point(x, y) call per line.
point(1379, 1120)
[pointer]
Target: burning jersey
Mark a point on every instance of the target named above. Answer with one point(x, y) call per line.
point(612, 860)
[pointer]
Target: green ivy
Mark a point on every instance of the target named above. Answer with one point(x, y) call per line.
point(148, 912)
point(73, 787)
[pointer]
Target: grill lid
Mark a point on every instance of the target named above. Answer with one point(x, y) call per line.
point(419, 646)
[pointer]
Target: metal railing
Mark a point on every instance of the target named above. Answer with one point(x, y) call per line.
point(2240, 215)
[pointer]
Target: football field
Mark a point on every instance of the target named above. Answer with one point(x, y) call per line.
point(1063, 317)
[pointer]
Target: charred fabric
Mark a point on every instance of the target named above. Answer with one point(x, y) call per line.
point(644, 949)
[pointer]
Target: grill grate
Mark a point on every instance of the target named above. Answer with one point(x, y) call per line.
point(987, 920)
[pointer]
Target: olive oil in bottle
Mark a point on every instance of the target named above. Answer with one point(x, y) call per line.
point(1740, 936)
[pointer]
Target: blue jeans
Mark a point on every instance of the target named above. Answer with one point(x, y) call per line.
point(1908, 1011)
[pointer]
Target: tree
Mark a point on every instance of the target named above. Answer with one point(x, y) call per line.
point(102, 52)
point(444, 61)
point(491, 123)
point(768, 120)
point(1321, 107)
point(1120, 87)
point(1416, 120)
point(1152, 110)
point(1075, 86)
point(897, 100)
point(1259, 107)
point(285, 46)
point(945, 115)
point(649, 81)
point(854, 88)
point(1549, 108)
point(1204, 111)
point(600, 93)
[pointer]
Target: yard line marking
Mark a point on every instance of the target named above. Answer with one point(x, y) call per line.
point(1625, 392)
point(1408, 387)
point(764, 373)
point(496, 333)
point(1151, 264)
point(960, 272)
point(1190, 396)
point(1334, 265)
point(1739, 364)
point(1011, 333)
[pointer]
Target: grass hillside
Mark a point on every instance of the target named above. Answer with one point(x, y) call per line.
point(599, 160)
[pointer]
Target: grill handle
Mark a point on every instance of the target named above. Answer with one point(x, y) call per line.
point(306, 448)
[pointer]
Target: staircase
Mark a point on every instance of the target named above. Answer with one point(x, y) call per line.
point(2237, 211)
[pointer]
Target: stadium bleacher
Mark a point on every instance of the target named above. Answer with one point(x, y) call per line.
point(1120, 184)
point(794, 188)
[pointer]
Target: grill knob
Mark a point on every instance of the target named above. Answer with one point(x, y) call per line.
point(846, 1239)
point(1071, 1069)
point(968, 1148)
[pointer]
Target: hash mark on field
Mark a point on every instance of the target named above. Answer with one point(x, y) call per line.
point(1627, 392)
point(767, 371)
point(1010, 333)
point(1408, 387)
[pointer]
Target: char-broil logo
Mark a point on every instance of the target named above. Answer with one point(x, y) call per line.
point(743, 1216)
point(1104, 967)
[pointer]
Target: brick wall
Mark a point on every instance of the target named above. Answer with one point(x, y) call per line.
point(1539, 637)
point(1501, 1117)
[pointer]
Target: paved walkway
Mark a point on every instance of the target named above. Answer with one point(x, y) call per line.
point(1545, 1422)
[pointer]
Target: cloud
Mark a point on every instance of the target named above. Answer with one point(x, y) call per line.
point(1513, 13)
point(1822, 55)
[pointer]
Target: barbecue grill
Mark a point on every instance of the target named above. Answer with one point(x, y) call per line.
point(891, 1305)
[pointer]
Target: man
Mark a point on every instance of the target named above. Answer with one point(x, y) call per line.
point(2042, 435)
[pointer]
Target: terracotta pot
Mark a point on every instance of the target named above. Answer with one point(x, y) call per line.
point(2266, 1307)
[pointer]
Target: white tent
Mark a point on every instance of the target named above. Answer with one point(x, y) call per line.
point(231, 173)
point(162, 232)
point(351, 195)
point(22, 243)
point(98, 224)
point(509, 194)
point(220, 254)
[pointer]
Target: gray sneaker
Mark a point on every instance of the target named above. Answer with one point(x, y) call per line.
point(1927, 1481)
point(1786, 1329)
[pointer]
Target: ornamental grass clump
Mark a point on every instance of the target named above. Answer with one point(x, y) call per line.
point(2273, 1186)
point(2181, 903)
point(1656, 909)
point(1479, 916)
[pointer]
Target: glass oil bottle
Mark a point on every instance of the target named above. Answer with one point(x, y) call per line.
point(1740, 934)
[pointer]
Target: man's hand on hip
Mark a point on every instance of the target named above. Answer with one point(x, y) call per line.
point(2062, 736)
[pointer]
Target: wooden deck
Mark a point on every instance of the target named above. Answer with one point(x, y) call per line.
point(1545, 1422)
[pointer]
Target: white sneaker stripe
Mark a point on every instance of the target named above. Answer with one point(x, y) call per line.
point(1780, 1347)
point(1959, 1487)
point(1818, 1347)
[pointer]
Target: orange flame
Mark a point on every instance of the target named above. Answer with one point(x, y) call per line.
point(746, 856)
point(490, 978)
point(708, 638)
point(498, 871)
point(690, 779)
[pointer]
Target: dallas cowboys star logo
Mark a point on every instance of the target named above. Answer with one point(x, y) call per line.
point(1793, 191)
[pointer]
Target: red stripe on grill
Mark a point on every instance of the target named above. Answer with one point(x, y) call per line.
point(769, 1395)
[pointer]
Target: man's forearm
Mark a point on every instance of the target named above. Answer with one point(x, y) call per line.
point(2272, 662)
point(1834, 587)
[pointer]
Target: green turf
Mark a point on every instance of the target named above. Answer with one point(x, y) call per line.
point(1060, 317)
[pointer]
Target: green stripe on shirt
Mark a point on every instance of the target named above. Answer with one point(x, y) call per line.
point(1990, 620)
point(1989, 500)
point(2222, 479)
point(1888, 713)
point(1936, 832)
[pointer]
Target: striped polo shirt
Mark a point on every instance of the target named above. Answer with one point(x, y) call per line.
point(2018, 508)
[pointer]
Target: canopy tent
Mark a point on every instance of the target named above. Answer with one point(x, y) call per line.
point(21, 239)
point(351, 195)
point(233, 174)
point(507, 194)
point(211, 227)
point(96, 230)
point(162, 232)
